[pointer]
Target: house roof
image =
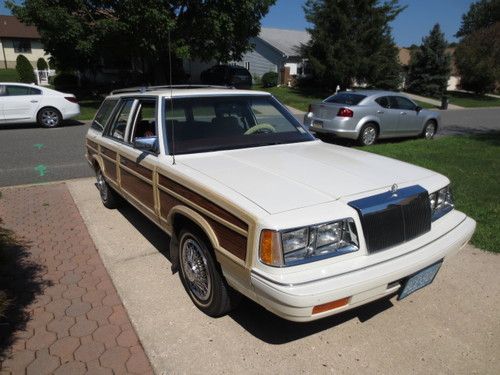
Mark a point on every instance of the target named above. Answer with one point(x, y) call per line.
point(11, 27)
point(286, 41)
point(404, 56)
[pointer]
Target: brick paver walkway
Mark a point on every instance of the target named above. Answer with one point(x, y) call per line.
point(76, 322)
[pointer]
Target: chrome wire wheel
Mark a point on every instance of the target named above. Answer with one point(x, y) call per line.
point(195, 268)
point(369, 135)
point(101, 185)
point(430, 130)
point(49, 118)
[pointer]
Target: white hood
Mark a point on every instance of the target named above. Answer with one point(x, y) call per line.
point(287, 177)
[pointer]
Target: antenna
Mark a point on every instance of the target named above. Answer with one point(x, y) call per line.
point(171, 97)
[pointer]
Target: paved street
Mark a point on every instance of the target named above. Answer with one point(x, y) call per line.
point(30, 154)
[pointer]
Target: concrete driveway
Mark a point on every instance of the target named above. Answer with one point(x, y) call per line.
point(450, 327)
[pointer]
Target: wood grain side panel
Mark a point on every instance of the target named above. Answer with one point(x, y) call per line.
point(230, 240)
point(141, 190)
point(91, 152)
point(145, 172)
point(109, 169)
point(109, 153)
point(202, 202)
point(92, 144)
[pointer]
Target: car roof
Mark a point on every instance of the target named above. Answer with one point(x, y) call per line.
point(368, 93)
point(20, 84)
point(183, 92)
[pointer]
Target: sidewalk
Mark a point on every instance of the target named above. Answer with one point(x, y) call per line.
point(66, 316)
point(435, 102)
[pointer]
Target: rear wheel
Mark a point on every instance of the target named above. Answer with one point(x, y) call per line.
point(202, 277)
point(368, 135)
point(49, 117)
point(110, 199)
point(430, 129)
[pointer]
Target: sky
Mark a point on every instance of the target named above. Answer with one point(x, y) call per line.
point(408, 28)
point(411, 25)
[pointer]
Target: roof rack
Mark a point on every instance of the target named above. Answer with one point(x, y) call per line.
point(166, 87)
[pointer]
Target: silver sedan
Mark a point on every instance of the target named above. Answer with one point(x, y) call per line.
point(368, 115)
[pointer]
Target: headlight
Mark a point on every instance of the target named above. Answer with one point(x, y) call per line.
point(441, 202)
point(307, 244)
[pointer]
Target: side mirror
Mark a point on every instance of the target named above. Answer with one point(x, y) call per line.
point(149, 144)
point(418, 108)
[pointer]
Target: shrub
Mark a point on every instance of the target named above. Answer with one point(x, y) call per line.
point(25, 70)
point(65, 81)
point(270, 79)
point(41, 64)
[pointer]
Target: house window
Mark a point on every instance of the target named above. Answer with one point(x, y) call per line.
point(22, 46)
point(247, 65)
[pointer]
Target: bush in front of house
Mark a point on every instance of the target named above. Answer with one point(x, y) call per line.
point(41, 64)
point(65, 81)
point(25, 70)
point(270, 79)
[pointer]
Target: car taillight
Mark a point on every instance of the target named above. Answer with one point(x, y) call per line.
point(345, 112)
point(71, 99)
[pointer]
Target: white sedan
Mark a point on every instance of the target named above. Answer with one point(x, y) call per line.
point(23, 103)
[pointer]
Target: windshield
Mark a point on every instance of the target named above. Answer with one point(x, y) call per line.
point(346, 98)
point(203, 124)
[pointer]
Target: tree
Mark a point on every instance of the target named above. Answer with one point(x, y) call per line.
point(481, 14)
point(41, 64)
point(80, 34)
point(430, 65)
point(25, 70)
point(478, 60)
point(351, 41)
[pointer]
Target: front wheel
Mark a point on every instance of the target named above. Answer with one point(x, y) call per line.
point(109, 197)
point(429, 130)
point(368, 135)
point(201, 277)
point(49, 117)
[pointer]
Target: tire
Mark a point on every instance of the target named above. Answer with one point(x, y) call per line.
point(202, 277)
point(49, 117)
point(430, 129)
point(368, 135)
point(110, 198)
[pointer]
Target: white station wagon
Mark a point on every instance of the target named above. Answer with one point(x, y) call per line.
point(255, 205)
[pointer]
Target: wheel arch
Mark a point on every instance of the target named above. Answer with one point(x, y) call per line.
point(368, 120)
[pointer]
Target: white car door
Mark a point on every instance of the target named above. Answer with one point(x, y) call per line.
point(20, 103)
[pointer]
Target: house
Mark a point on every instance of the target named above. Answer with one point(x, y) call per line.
point(273, 51)
point(16, 39)
point(405, 57)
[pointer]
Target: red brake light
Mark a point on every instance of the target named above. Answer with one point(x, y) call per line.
point(71, 99)
point(345, 112)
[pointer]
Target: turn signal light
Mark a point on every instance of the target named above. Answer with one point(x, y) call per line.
point(270, 248)
point(330, 305)
point(345, 112)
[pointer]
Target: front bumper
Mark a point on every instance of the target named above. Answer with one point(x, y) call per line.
point(296, 301)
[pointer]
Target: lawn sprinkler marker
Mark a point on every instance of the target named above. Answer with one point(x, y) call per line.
point(41, 169)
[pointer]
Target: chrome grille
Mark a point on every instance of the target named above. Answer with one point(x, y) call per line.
point(389, 219)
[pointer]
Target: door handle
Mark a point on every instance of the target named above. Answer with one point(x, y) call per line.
point(380, 112)
point(34, 101)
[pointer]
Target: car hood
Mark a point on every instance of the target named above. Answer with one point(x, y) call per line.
point(287, 177)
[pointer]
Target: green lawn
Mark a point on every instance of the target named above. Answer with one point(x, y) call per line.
point(425, 105)
point(9, 75)
point(295, 97)
point(472, 163)
point(88, 108)
point(470, 100)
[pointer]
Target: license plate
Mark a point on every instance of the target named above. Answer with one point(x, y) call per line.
point(419, 280)
point(317, 124)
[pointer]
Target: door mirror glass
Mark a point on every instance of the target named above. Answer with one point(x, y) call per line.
point(148, 144)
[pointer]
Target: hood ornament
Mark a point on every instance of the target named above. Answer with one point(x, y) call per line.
point(394, 190)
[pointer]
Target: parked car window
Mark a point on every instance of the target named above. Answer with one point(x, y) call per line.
point(11, 90)
point(145, 119)
point(233, 122)
point(383, 101)
point(402, 103)
point(119, 126)
point(22, 45)
point(103, 114)
point(345, 98)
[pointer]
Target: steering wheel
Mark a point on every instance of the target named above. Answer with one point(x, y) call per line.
point(260, 128)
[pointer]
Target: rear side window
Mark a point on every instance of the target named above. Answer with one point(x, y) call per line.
point(347, 98)
point(119, 126)
point(383, 101)
point(402, 103)
point(103, 115)
point(21, 90)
